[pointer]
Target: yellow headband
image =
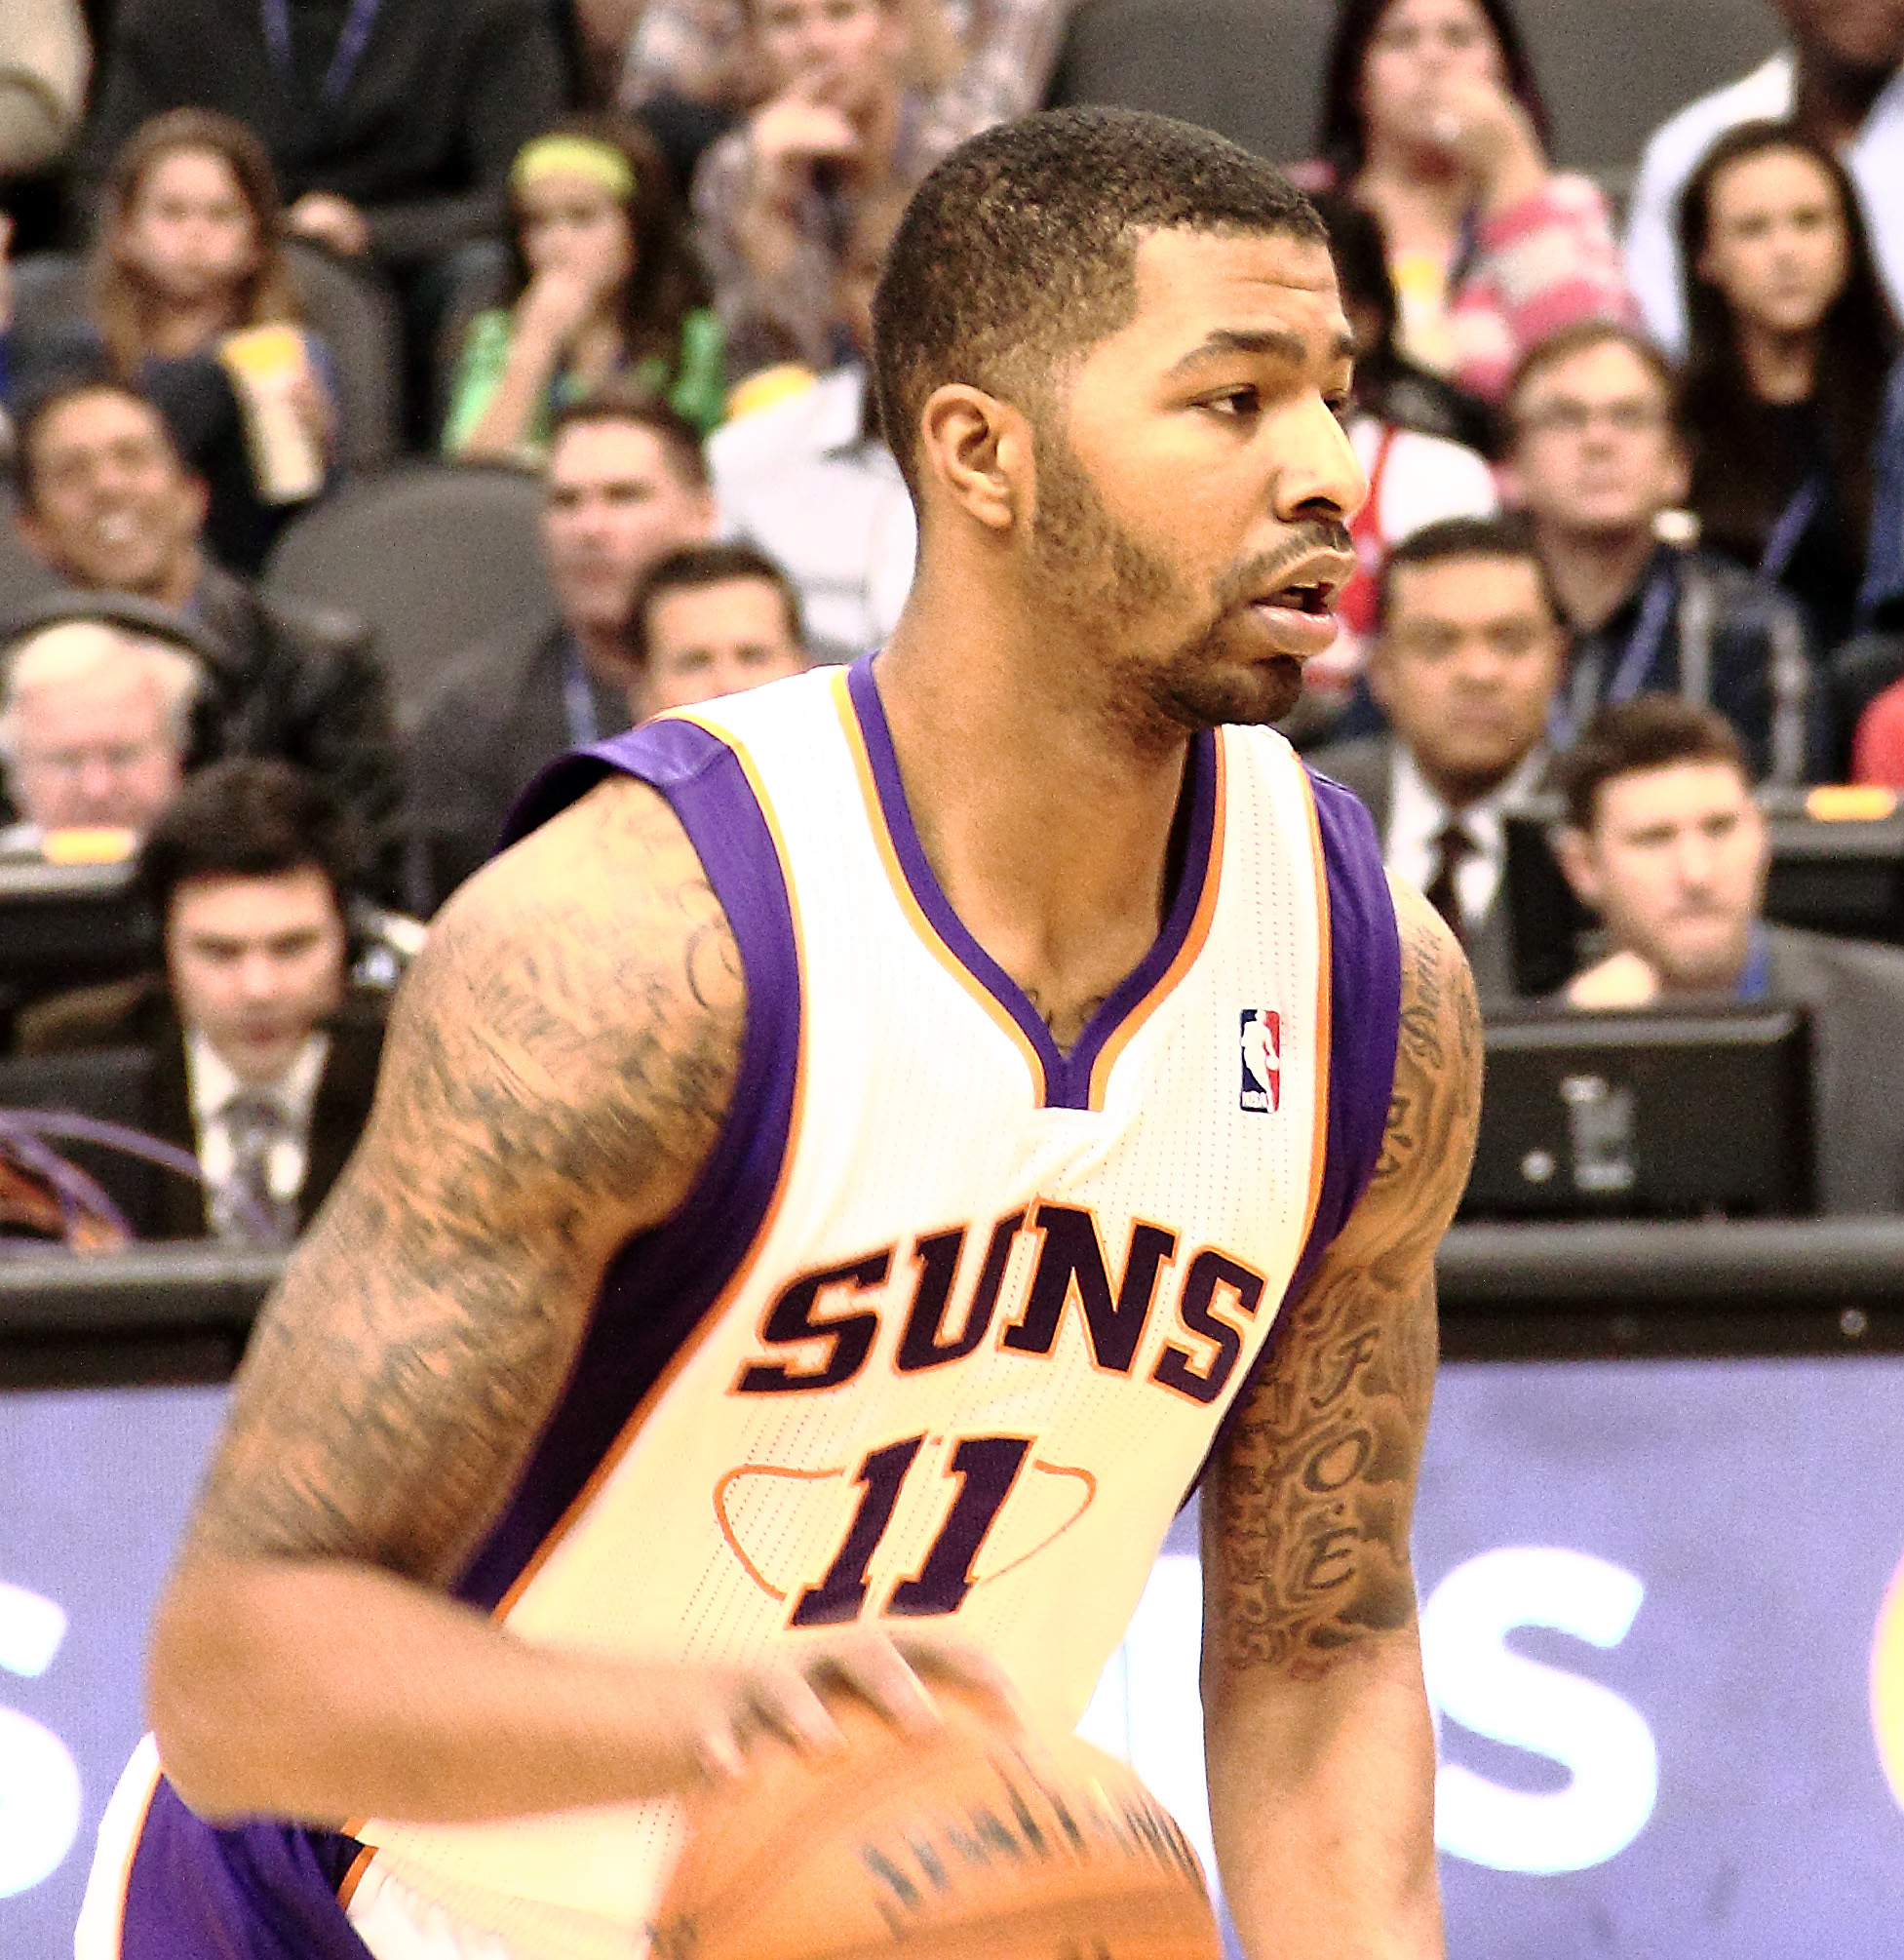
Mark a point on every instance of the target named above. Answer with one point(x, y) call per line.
point(574, 156)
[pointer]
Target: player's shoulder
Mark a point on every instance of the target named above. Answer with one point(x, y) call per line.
point(598, 927)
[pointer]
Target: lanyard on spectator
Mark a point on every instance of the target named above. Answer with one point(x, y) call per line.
point(1794, 520)
point(351, 43)
point(1636, 661)
point(1753, 982)
point(578, 700)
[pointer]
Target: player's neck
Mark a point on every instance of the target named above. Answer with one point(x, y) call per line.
point(1049, 834)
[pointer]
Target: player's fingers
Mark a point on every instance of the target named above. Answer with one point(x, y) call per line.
point(964, 1667)
point(784, 1700)
point(873, 1668)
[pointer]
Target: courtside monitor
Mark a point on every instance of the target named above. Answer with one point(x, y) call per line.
point(69, 926)
point(1647, 1113)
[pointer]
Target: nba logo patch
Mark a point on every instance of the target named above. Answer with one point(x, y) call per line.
point(1263, 1054)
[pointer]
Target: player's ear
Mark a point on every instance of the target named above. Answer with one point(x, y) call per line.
point(979, 450)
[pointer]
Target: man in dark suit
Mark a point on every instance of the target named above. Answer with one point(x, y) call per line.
point(1467, 658)
point(626, 485)
point(107, 502)
point(1665, 842)
point(263, 1062)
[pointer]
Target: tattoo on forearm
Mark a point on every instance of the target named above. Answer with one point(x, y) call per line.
point(1308, 1507)
point(559, 1063)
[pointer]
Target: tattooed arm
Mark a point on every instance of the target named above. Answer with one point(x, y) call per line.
point(1321, 1753)
point(557, 1071)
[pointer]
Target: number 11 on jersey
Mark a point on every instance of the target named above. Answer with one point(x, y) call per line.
point(987, 1468)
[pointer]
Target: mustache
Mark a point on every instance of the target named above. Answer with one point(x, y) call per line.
point(1265, 568)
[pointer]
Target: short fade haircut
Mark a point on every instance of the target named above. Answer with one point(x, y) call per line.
point(695, 567)
point(250, 816)
point(622, 401)
point(1018, 255)
point(1582, 336)
point(1651, 732)
point(1457, 537)
point(72, 385)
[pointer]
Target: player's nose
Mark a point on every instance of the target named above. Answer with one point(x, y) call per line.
point(1319, 475)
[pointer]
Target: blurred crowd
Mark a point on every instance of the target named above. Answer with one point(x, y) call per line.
point(401, 392)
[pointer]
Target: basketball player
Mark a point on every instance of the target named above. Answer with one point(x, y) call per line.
point(871, 1150)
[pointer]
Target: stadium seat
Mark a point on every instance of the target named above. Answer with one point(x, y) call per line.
point(355, 320)
point(1251, 69)
point(1613, 70)
point(23, 579)
point(434, 556)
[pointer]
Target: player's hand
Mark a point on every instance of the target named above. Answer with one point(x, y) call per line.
point(788, 1698)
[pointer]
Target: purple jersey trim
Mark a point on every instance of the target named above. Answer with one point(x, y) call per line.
point(1365, 1014)
point(660, 1284)
point(1067, 1078)
point(261, 1891)
point(1365, 1025)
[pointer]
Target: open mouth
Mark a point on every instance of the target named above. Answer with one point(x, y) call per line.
point(1314, 598)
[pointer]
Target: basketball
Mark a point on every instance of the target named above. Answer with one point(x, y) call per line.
point(985, 1843)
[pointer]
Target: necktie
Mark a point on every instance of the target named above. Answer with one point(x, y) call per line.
point(244, 1211)
point(1453, 847)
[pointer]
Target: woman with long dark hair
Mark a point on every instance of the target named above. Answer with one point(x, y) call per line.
point(1790, 343)
point(1433, 121)
point(602, 283)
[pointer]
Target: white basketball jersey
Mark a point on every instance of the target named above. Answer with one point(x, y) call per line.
point(945, 1332)
point(998, 1299)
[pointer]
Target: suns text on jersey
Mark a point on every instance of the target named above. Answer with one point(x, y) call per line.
point(823, 1326)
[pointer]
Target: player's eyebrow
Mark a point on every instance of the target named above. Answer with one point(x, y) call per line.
point(1275, 341)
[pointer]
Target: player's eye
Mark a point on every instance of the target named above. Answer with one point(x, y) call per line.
point(1342, 407)
point(1234, 403)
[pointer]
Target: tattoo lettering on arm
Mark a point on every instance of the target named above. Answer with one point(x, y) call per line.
point(1307, 1506)
point(559, 1063)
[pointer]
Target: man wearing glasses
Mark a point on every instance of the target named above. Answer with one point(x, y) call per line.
point(1598, 466)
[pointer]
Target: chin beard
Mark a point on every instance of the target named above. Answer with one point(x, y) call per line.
point(1203, 695)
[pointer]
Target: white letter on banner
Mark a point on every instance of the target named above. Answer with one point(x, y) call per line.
point(1475, 1680)
point(39, 1781)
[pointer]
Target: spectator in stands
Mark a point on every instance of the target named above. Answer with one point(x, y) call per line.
point(1466, 660)
point(809, 480)
point(188, 260)
point(1599, 464)
point(1432, 119)
point(1665, 842)
point(95, 726)
point(1790, 343)
point(1842, 81)
point(979, 61)
point(44, 60)
point(602, 283)
point(795, 207)
point(392, 128)
point(108, 504)
point(626, 485)
point(264, 1060)
point(600, 33)
point(712, 619)
point(1401, 430)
